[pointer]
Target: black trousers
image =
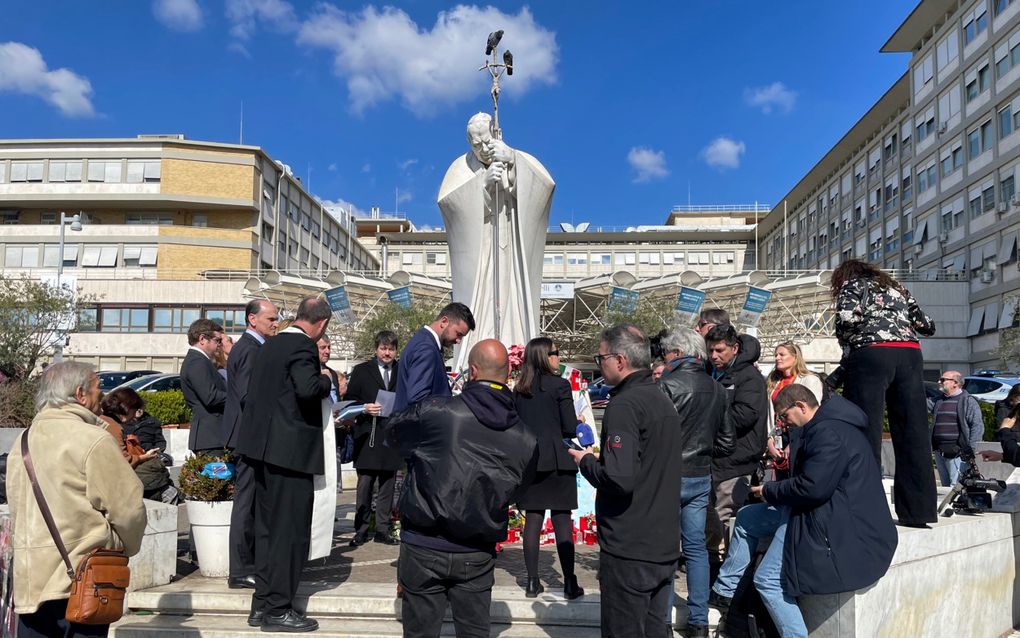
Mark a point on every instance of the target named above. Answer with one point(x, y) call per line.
point(283, 520)
point(242, 522)
point(384, 502)
point(48, 622)
point(635, 595)
point(878, 379)
point(430, 578)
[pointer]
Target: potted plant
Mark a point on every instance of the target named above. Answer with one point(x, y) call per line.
point(209, 502)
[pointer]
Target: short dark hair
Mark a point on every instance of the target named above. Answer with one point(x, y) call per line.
point(457, 311)
point(792, 394)
point(628, 340)
point(386, 338)
point(122, 403)
point(313, 310)
point(202, 328)
point(253, 307)
point(714, 315)
point(722, 332)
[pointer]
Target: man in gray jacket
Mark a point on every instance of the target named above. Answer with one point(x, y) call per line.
point(957, 425)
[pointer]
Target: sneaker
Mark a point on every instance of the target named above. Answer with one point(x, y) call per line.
point(695, 631)
point(722, 603)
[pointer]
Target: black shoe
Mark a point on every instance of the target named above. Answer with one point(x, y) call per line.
point(255, 618)
point(241, 582)
point(385, 539)
point(722, 603)
point(358, 541)
point(290, 622)
point(914, 525)
point(571, 589)
point(695, 631)
point(533, 589)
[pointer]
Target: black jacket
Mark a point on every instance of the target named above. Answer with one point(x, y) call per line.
point(372, 452)
point(468, 457)
point(149, 431)
point(549, 415)
point(283, 413)
point(637, 474)
point(841, 536)
point(707, 429)
point(1010, 447)
point(205, 393)
point(239, 365)
point(748, 401)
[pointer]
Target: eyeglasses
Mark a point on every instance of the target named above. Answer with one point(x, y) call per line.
point(944, 379)
point(599, 358)
point(554, 353)
point(216, 339)
point(782, 415)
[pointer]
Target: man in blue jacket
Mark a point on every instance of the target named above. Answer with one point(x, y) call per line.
point(830, 523)
point(422, 371)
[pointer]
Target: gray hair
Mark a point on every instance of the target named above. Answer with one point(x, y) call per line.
point(60, 381)
point(627, 339)
point(687, 341)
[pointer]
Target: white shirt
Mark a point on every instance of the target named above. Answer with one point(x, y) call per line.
point(257, 336)
point(200, 351)
point(435, 336)
point(382, 370)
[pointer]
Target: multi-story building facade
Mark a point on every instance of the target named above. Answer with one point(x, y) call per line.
point(925, 182)
point(172, 230)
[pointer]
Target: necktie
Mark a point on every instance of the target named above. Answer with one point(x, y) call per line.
point(386, 376)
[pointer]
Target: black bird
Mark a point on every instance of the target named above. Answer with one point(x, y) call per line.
point(508, 61)
point(493, 41)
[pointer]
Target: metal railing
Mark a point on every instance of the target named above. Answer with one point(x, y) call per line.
point(722, 208)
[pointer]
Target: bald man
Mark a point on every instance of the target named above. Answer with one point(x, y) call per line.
point(467, 459)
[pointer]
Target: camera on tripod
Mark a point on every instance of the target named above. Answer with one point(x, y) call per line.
point(972, 493)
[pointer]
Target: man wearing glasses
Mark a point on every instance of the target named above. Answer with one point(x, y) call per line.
point(637, 478)
point(204, 389)
point(830, 524)
point(958, 426)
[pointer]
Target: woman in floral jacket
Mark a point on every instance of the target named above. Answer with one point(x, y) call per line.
point(877, 324)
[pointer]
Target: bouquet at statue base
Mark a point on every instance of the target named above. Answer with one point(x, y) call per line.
point(514, 528)
point(589, 530)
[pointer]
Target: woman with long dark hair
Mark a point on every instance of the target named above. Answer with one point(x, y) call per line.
point(877, 324)
point(546, 407)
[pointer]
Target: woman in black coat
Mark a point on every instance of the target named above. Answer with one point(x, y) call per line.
point(546, 407)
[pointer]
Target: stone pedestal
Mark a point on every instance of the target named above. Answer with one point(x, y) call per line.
point(156, 562)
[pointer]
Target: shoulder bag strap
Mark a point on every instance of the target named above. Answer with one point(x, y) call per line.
point(43, 507)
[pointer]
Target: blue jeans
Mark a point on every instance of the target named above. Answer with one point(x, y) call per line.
point(949, 469)
point(754, 523)
point(694, 493)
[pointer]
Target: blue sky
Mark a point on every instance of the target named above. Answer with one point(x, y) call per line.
point(626, 104)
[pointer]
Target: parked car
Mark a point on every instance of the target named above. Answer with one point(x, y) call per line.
point(598, 392)
point(991, 386)
point(110, 379)
point(155, 383)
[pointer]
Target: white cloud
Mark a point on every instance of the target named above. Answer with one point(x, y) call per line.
point(246, 15)
point(367, 168)
point(332, 168)
point(179, 15)
point(23, 70)
point(383, 54)
point(723, 153)
point(333, 205)
point(773, 96)
point(408, 163)
point(647, 164)
point(404, 196)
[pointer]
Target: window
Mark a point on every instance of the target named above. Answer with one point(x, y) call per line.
point(125, 320)
point(552, 259)
point(979, 140)
point(99, 256)
point(232, 319)
point(65, 171)
point(722, 258)
point(624, 259)
point(923, 73)
point(952, 161)
point(1001, 5)
point(149, 219)
point(26, 172)
point(577, 259)
point(905, 188)
point(947, 51)
point(949, 104)
point(200, 220)
point(974, 205)
point(926, 178)
point(1007, 56)
point(3, 171)
point(174, 320)
point(672, 258)
point(316, 229)
point(1007, 188)
point(135, 256)
point(21, 256)
point(1005, 121)
point(925, 124)
point(108, 172)
point(88, 320)
point(142, 171)
point(411, 259)
point(988, 198)
point(890, 147)
point(306, 221)
point(978, 82)
point(600, 259)
point(975, 23)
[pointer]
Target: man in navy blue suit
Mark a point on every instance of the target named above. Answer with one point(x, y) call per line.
point(422, 371)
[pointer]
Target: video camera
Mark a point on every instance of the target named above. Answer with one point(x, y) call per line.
point(971, 493)
point(655, 345)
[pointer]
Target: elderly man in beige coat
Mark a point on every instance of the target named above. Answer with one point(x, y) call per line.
point(91, 490)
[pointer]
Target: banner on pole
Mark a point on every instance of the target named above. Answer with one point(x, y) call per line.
point(400, 296)
point(754, 306)
point(340, 304)
point(623, 300)
point(688, 305)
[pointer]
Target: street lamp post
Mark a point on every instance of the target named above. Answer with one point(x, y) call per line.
point(75, 221)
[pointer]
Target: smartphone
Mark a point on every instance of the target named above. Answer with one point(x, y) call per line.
point(572, 444)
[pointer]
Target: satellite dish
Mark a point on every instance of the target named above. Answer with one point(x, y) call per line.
point(253, 286)
point(567, 228)
point(271, 277)
point(583, 226)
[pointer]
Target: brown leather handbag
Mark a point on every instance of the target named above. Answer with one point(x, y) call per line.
point(99, 584)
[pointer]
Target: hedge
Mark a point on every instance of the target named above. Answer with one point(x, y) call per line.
point(168, 406)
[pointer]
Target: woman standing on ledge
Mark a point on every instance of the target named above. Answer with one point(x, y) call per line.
point(546, 407)
point(877, 324)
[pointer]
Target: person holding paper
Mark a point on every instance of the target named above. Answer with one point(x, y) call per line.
point(373, 383)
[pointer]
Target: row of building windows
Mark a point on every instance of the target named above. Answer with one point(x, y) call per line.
point(91, 255)
point(80, 170)
point(157, 319)
point(639, 258)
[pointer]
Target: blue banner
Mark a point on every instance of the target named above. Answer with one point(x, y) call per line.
point(754, 306)
point(340, 304)
point(688, 305)
point(623, 300)
point(400, 296)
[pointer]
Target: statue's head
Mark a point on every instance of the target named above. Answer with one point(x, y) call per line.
point(479, 136)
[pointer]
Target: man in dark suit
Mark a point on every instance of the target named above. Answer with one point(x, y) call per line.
point(261, 317)
point(422, 369)
point(204, 389)
point(283, 444)
point(375, 461)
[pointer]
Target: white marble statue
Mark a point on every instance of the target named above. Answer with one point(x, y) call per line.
point(496, 191)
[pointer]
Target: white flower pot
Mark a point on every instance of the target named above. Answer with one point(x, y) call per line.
point(210, 529)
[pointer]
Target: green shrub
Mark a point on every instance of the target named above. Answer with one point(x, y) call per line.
point(17, 403)
point(991, 425)
point(167, 406)
point(196, 487)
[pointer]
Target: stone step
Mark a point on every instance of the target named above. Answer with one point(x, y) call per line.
point(231, 626)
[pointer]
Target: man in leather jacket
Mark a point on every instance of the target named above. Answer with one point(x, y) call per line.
point(467, 459)
point(707, 432)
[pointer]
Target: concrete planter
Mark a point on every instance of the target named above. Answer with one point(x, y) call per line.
point(210, 529)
